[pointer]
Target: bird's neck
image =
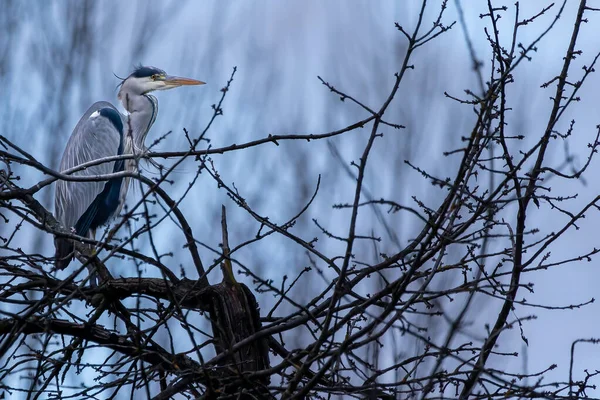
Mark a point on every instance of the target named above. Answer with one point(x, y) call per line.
point(142, 114)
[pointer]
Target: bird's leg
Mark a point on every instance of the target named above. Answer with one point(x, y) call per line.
point(94, 279)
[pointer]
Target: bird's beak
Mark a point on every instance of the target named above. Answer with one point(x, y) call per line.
point(176, 81)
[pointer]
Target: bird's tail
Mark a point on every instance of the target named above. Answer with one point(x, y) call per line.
point(64, 252)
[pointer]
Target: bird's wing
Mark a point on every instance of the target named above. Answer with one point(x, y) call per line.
point(96, 136)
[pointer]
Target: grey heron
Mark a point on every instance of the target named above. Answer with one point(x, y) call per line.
point(103, 131)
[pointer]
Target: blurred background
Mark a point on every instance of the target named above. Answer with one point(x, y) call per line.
point(57, 58)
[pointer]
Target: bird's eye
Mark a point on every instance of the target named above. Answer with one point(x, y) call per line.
point(154, 77)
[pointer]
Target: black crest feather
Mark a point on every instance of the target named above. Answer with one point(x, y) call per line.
point(143, 71)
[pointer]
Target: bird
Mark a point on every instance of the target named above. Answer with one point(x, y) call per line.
point(102, 131)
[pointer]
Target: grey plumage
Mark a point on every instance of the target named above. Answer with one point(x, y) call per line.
point(94, 137)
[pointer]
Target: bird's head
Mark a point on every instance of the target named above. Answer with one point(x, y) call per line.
point(148, 79)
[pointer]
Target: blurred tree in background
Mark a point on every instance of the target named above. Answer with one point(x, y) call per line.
point(396, 176)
